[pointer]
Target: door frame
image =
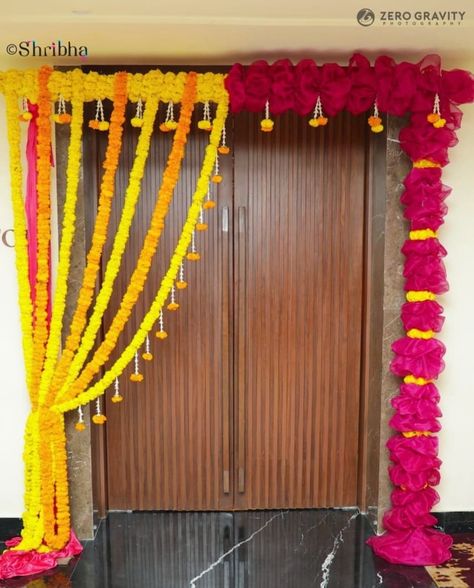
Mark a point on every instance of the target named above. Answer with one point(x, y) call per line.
point(372, 312)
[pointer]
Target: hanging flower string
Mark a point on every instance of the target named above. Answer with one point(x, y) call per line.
point(435, 117)
point(147, 355)
point(117, 397)
point(205, 123)
point(99, 418)
point(209, 202)
point(25, 115)
point(193, 255)
point(161, 333)
point(181, 284)
point(318, 120)
point(267, 124)
point(173, 305)
point(201, 225)
point(170, 124)
point(99, 123)
point(80, 424)
point(137, 120)
point(375, 121)
point(216, 178)
point(62, 117)
point(223, 148)
point(136, 376)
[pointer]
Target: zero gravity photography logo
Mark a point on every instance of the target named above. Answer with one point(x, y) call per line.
point(366, 17)
point(56, 48)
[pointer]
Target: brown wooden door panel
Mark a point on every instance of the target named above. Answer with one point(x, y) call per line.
point(253, 400)
point(299, 284)
point(165, 441)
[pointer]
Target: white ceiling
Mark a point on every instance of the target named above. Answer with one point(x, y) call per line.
point(221, 32)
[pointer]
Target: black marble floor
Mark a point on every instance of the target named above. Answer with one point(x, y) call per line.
point(258, 549)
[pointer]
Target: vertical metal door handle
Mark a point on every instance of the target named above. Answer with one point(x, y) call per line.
point(225, 219)
point(226, 353)
point(241, 336)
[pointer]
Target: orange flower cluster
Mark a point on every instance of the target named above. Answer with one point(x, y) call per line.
point(43, 185)
point(139, 276)
point(86, 293)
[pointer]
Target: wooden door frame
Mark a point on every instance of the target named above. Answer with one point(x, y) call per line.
point(372, 313)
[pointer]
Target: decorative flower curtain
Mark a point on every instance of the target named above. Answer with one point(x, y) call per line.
point(60, 380)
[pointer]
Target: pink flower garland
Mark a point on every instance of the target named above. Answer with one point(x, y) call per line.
point(418, 357)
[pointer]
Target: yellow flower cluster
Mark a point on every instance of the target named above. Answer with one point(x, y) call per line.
point(93, 86)
point(170, 277)
point(68, 230)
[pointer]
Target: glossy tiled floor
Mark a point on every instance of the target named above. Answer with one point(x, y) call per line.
point(271, 549)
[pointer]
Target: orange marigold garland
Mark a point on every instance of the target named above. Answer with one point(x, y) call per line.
point(43, 186)
point(137, 281)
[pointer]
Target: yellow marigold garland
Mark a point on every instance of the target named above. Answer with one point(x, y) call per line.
point(139, 276)
point(33, 528)
point(167, 86)
point(68, 230)
point(86, 292)
point(21, 242)
point(167, 283)
point(43, 187)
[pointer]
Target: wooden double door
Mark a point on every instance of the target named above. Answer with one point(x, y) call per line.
point(253, 400)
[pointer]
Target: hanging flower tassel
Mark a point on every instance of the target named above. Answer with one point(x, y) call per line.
point(99, 123)
point(25, 115)
point(435, 117)
point(209, 203)
point(181, 284)
point(375, 122)
point(170, 124)
point(147, 355)
point(267, 124)
point(136, 376)
point(217, 178)
point(161, 334)
point(318, 120)
point(205, 123)
point(173, 305)
point(117, 397)
point(137, 120)
point(201, 225)
point(223, 149)
point(80, 425)
point(193, 255)
point(98, 418)
point(62, 117)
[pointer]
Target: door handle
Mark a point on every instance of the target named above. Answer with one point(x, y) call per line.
point(225, 219)
point(226, 351)
point(241, 336)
